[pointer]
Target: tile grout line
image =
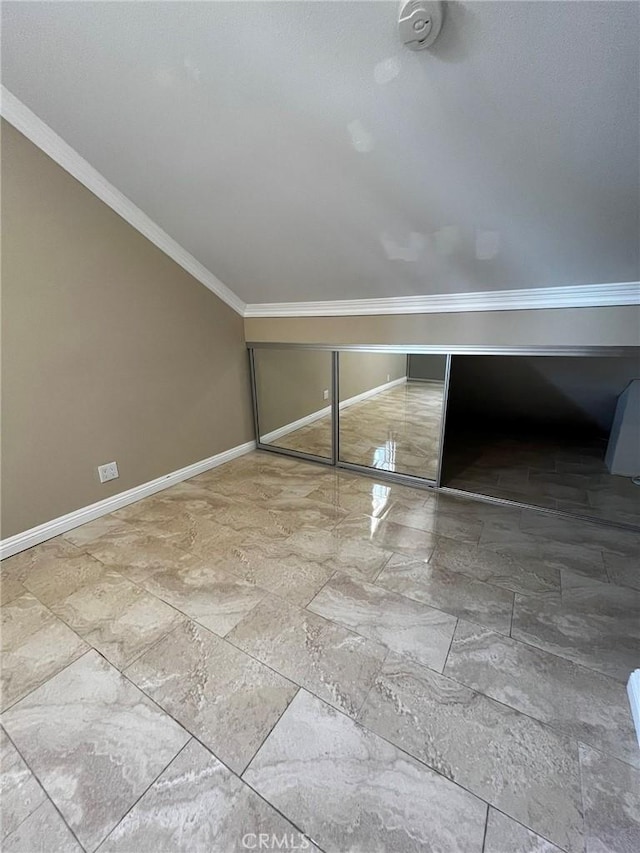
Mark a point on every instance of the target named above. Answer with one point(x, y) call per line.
point(446, 659)
point(298, 686)
point(404, 752)
point(81, 654)
point(582, 789)
point(369, 691)
point(89, 645)
point(223, 567)
point(191, 734)
point(400, 749)
point(403, 595)
point(467, 618)
point(322, 588)
point(519, 822)
point(151, 784)
point(570, 660)
point(461, 571)
point(265, 738)
point(44, 790)
point(150, 648)
point(140, 585)
point(122, 674)
point(486, 827)
point(196, 738)
point(544, 723)
point(189, 618)
point(513, 610)
point(127, 663)
point(383, 567)
point(454, 782)
point(420, 604)
point(268, 666)
point(288, 677)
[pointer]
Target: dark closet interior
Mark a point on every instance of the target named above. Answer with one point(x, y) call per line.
point(535, 429)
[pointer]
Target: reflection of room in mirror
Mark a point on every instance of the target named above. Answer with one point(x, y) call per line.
point(390, 406)
point(394, 425)
point(537, 429)
point(293, 389)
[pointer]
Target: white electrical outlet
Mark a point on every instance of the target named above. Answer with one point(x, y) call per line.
point(108, 472)
point(325, 394)
point(388, 377)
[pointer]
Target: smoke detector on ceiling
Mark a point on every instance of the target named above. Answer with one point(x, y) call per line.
point(419, 23)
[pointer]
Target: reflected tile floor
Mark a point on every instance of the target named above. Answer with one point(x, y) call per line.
point(548, 472)
point(275, 647)
point(396, 430)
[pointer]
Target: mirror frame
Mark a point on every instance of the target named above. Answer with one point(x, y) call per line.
point(449, 351)
point(286, 451)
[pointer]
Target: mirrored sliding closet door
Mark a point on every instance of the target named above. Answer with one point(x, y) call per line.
point(293, 400)
point(554, 432)
point(391, 407)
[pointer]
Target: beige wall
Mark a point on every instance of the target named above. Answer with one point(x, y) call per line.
point(361, 371)
point(612, 326)
point(291, 383)
point(110, 350)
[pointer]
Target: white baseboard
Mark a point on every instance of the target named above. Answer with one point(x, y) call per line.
point(633, 689)
point(270, 437)
point(372, 392)
point(35, 535)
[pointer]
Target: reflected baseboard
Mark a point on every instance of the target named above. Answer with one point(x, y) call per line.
point(276, 434)
point(271, 437)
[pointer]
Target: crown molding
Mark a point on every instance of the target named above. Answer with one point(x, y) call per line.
point(28, 123)
point(573, 296)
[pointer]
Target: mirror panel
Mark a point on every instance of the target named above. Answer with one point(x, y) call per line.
point(391, 411)
point(551, 431)
point(293, 395)
point(557, 432)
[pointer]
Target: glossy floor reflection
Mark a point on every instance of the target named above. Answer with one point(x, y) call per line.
point(396, 430)
point(278, 647)
point(558, 474)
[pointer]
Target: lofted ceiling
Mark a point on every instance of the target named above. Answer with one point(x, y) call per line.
point(299, 152)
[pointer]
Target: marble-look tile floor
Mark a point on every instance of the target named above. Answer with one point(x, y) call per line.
point(555, 473)
point(396, 430)
point(280, 654)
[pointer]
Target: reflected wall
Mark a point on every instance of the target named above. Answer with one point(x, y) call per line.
point(293, 391)
point(390, 409)
point(395, 423)
point(535, 429)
